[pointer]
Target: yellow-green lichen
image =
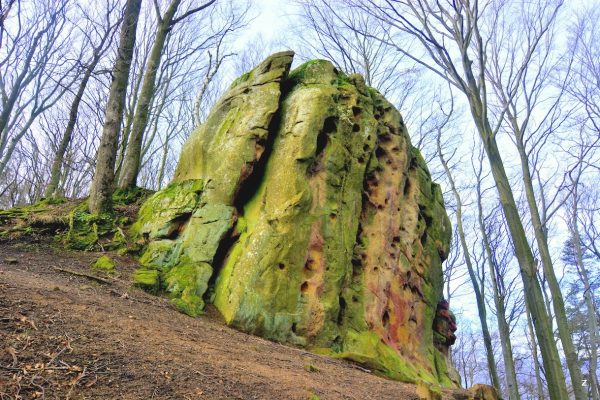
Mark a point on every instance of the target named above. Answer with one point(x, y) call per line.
point(187, 284)
point(316, 216)
point(104, 264)
point(147, 279)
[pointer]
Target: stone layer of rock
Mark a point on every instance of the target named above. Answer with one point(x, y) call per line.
point(302, 211)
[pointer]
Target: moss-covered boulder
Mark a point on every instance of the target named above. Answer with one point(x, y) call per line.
point(104, 264)
point(302, 211)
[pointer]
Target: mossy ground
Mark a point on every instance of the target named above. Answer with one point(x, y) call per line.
point(71, 225)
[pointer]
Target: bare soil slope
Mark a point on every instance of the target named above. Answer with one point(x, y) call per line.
point(69, 336)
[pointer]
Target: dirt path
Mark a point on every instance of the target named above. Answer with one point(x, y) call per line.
point(66, 336)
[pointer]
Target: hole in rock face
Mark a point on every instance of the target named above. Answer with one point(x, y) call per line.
point(294, 327)
point(309, 264)
point(281, 266)
point(356, 111)
point(329, 126)
point(304, 287)
point(385, 319)
point(428, 220)
point(356, 267)
point(407, 187)
point(342, 311)
point(413, 315)
point(355, 128)
point(332, 216)
point(177, 225)
point(385, 137)
point(424, 238)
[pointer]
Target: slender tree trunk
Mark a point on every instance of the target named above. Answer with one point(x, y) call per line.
point(589, 300)
point(22, 80)
point(476, 93)
point(503, 328)
point(534, 355)
point(558, 303)
point(557, 387)
point(55, 174)
point(163, 162)
point(487, 339)
point(128, 122)
point(102, 183)
point(57, 164)
point(131, 163)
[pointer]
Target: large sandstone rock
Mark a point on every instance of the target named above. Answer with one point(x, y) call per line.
point(302, 211)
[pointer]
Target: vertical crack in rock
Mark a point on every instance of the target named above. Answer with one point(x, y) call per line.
point(247, 190)
point(220, 156)
point(303, 209)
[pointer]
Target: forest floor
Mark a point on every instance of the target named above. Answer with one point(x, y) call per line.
point(66, 336)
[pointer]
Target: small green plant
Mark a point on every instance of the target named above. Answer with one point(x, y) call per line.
point(313, 396)
point(311, 368)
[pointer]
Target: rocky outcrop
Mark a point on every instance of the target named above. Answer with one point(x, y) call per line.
point(301, 210)
point(444, 326)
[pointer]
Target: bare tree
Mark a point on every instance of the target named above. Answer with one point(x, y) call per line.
point(476, 278)
point(533, 348)
point(585, 155)
point(101, 189)
point(34, 73)
point(466, 355)
point(499, 288)
point(530, 135)
point(584, 45)
point(336, 36)
point(215, 61)
point(98, 36)
point(166, 22)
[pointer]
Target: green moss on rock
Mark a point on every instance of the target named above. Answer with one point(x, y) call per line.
point(187, 284)
point(70, 223)
point(104, 264)
point(147, 279)
point(162, 214)
point(316, 223)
